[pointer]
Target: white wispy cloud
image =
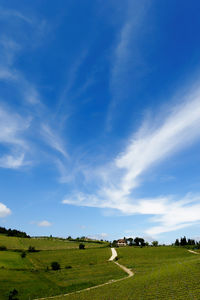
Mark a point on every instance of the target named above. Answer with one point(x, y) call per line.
point(71, 79)
point(44, 223)
point(152, 144)
point(177, 214)
point(12, 45)
point(12, 162)
point(10, 13)
point(13, 128)
point(17, 129)
point(126, 58)
point(53, 139)
point(4, 210)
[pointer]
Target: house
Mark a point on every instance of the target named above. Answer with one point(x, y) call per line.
point(121, 242)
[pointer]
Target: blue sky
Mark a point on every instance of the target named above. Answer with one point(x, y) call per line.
point(100, 118)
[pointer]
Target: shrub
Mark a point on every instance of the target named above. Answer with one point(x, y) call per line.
point(81, 246)
point(68, 267)
point(31, 249)
point(3, 248)
point(23, 254)
point(12, 295)
point(55, 266)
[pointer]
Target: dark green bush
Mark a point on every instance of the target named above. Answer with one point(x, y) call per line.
point(55, 266)
point(81, 246)
point(31, 249)
point(3, 248)
point(13, 294)
point(23, 254)
point(68, 267)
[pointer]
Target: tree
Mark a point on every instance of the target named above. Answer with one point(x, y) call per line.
point(139, 241)
point(81, 246)
point(177, 243)
point(130, 241)
point(12, 295)
point(191, 242)
point(183, 241)
point(23, 254)
point(3, 248)
point(114, 243)
point(55, 266)
point(155, 243)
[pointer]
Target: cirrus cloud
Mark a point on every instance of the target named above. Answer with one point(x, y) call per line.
point(152, 144)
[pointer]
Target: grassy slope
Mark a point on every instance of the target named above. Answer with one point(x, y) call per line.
point(41, 244)
point(160, 273)
point(29, 276)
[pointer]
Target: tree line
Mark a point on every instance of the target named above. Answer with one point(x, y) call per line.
point(13, 232)
point(183, 241)
point(136, 242)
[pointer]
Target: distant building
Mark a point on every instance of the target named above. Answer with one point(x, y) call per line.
point(121, 242)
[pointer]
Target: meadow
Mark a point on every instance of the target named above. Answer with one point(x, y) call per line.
point(160, 273)
point(42, 243)
point(33, 277)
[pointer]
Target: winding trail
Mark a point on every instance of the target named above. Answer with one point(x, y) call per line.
point(193, 252)
point(113, 256)
point(125, 269)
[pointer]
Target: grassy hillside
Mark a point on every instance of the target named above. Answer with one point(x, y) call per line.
point(160, 273)
point(32, 276)
point(42, 243)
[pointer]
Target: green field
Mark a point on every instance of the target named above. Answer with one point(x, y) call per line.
point(160, 273)
point(32, 278)
point(42, 243)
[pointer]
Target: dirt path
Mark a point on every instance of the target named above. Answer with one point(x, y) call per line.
point(125, 269)
point(113, 256)
point(193, 252)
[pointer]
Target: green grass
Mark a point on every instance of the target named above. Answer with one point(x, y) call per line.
point(13, 260)
point(29, 276)
point(160, 273)
point(42, 243)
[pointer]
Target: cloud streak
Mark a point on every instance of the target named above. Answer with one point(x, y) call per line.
point(127, 60)
point(12, 136)
point(53, 140)
point(152, 144)
point(17, 129)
